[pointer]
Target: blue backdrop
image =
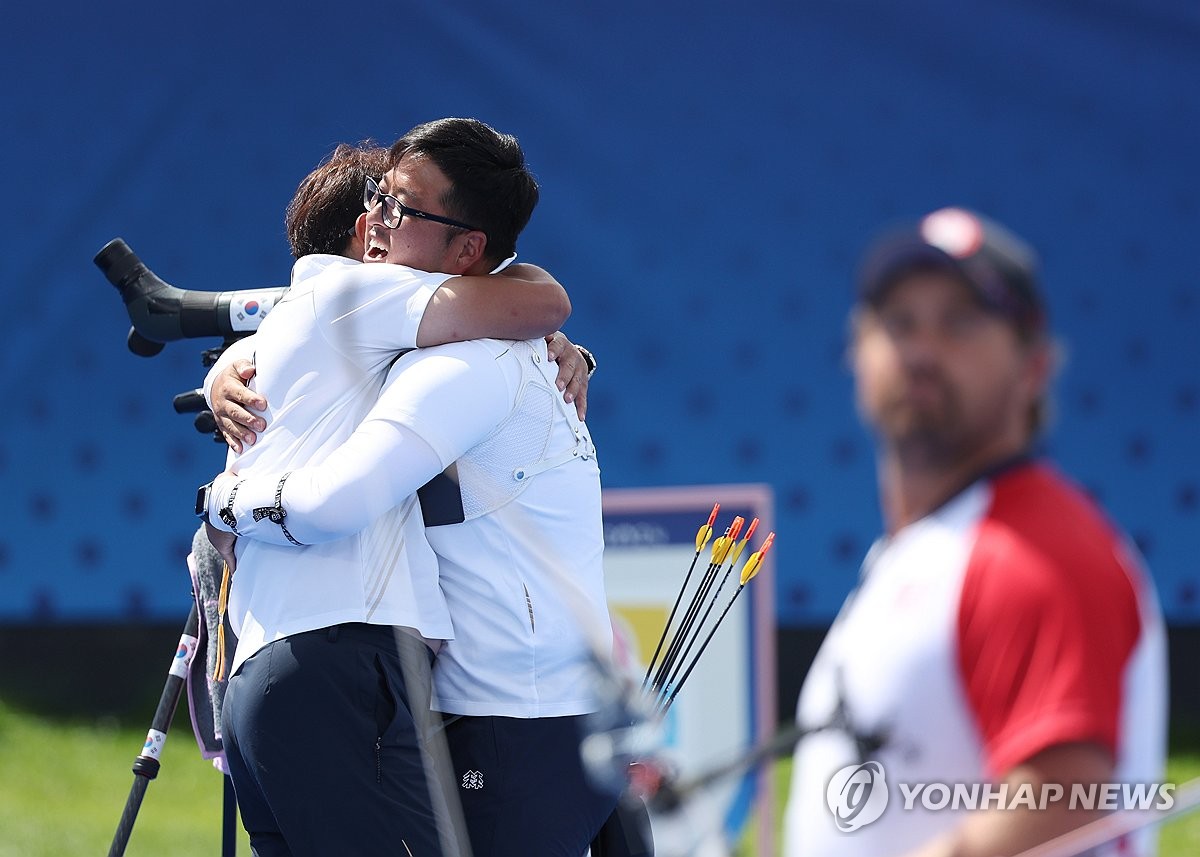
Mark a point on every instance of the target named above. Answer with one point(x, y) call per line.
point(710, 173)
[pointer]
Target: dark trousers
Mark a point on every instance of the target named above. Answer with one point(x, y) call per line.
point(523, 787)
point(324, 749)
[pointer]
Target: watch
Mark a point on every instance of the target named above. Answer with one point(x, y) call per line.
point(202, 495)
point(589, 359)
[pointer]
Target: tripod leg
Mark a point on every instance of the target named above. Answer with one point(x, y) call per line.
point(146, 765)
point(229, 820)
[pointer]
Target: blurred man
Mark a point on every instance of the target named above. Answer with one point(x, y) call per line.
point(1003, 633)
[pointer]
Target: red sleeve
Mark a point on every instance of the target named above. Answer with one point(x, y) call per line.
point(1045, 626)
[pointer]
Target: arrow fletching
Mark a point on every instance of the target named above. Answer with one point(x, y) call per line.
point(755, 561)
point(751, 567)
point(741, 546)
point(737, 552)
point(706, 530)
point(720, 550)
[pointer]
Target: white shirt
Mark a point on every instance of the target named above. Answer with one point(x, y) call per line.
point(522, 574)
point(320, 359)
point(1012, 619)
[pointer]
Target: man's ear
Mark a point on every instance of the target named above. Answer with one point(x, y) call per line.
point(356, 247)
point(1043, 363)
point(471, 249)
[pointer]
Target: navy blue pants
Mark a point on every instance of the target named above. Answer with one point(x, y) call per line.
point(324, 750)
point(523, 787)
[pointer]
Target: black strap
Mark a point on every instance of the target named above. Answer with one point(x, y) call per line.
point(441, 499)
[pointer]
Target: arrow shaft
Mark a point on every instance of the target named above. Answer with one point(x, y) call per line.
point(682, 659)
point(685, 625)
point(671, 618)
point(696, 660)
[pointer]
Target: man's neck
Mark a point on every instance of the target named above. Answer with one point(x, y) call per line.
point(912, 487)
point(480, 269)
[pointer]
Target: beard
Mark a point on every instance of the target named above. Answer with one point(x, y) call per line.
point(924, 421)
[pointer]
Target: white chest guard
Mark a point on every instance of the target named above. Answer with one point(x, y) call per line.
point(541, 433)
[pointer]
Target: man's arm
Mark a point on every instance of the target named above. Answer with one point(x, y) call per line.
point(1043, 655)
point(233, 403)
point(520, 302)
point(415, 430)
point(993, 831)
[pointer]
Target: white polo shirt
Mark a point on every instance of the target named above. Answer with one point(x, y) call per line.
point(522, 571)
point(320, 359)
point(1012, 619)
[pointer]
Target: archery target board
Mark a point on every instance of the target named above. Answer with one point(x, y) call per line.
point(727, 705)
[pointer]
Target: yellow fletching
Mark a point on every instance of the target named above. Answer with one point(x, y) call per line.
point(705, 532)
point(751, 567)
point(755, 562)
point(720, 549)
point(737, 551)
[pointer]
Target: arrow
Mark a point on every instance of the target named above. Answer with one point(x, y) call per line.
point(720, 551)
point(735, 554)
point(749, 570)
point(702, 536)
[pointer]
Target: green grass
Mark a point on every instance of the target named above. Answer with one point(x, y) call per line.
point(63, 787)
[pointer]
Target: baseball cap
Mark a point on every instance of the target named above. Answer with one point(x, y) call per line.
point(998, 267)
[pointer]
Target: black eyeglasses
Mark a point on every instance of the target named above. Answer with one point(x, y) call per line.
point(394, 210)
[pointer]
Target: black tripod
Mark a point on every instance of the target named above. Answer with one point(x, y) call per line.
point(146, 765)
point(161, 313)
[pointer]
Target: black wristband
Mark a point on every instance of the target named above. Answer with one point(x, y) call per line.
point(276, 514)
point(226, 513)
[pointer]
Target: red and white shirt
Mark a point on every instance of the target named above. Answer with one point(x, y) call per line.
point(1011, 619)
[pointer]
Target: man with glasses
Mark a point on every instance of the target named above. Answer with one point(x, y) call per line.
point(322, 219)
point(325, 710)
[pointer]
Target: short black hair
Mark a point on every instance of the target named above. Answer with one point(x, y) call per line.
point(491, 186)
